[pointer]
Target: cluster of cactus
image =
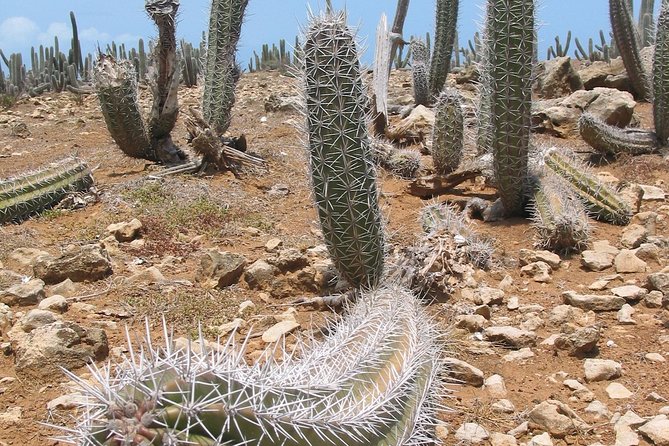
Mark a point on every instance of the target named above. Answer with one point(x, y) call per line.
point(441, 218)
point(371, 381)
point(506, 96)
point(600, 200)
point(604, 51)
point(273, 58)
point(116, 84)
point(612, 140)
point(51, 70)
point(35, 192)
point(444, 39)
point(471, 54)
point(405, 163)
point(559, 50)
point(448, 132)
point(221, 69)
point(191, 63)
point(559, 217)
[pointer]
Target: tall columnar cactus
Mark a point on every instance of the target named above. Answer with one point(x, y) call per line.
point(645, 23)
point(221, 70)
point(448, 132)
point(614, 140)
point(558, 216)
point(627, 42)
point(116, 85)
point(32, 193)
point(420, 72)
point(370, 382)
point(444, 36)
point(661, 76)
point(342, 175)
point(600, 200)
point(510, 40)
point(396, 30)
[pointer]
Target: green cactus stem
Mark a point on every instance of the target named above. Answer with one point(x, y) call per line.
point(221, 70)
point(559, 218)
point(420, 72)
point(661, 76)
point(448, 132)
point(609, 139)
point(445, 29)
point(372, 382)
point(600, 200)
point(510, 31)
point(343, 178)
point(35, 192)
point(116, 85)
point(627, 42)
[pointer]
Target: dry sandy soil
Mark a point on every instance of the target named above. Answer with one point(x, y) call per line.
point(185, 214)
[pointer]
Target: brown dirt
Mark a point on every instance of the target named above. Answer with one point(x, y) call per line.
point(66, 124)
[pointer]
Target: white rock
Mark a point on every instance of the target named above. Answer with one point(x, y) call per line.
point(601, 369)
point(464, 372)
point(66, 402)
point(627, 262)
point(495, 386)
point(54, 303)
point(657, 430)
point(541, 440)
point(652, 193)
point(519, 355)
point(471, 433)
point(278, 330)
point(513, 303)
point(503, 406)
point(629, 292)
point(617, 391)
point(12, 415)
point(597, 411)
point(654, 357)
point(498, 439)
point(625, 315)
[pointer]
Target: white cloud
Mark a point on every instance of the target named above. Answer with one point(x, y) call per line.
point(15, 32)
point(56, 29)
point(93, 35)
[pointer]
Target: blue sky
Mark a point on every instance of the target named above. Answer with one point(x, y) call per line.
point(32, 22)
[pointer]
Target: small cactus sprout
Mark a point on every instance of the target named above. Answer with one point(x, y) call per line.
point(404, 163)
point(444, 38)
point(558, 216)
point(609, 139)
point(342, 174)
point(448, 133)
point(661, 76)
point(372, 381)
point(600, 200)
point(420, 72)
point(34, 192)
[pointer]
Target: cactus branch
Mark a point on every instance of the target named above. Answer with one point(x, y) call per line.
point(609, 139)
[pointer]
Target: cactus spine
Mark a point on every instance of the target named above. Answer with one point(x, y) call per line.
point(627, 42)
point(368, 383)
point(32, 193)
point(339, 151)
point(600, 200)
point(420, 72)
point(221, 70)
point(510, 31)
point(558, 216)
point(610, 139)
point(448, 132)
point(445, 29)
point(661, 76)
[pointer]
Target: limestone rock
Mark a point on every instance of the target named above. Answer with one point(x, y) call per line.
point(579, 342)
point(538, 271)
point(79, 264)
point(633, 236)
point(652, 193)
point(471, 322)
point(278, 330)
point(596, 261)
point(125, 231)
point(631, 293)
point(259, 274)
point(617, 391)
point(597, 411)
point(593, 302)
point(602, 369)
point(148, 275)
point(657, 430)
point(627, 262)
point(26, 293)
point(659, 282)
point(464, 372)
point(556, 78)
point(56, 303)
point(471, 433)
point(625, 315)
point(495, 386)
point(541, 440)
point(555, 418)
point(499, 439)
point(220, 269)
point(510, 336)
point(419, 123)
point(23, 259)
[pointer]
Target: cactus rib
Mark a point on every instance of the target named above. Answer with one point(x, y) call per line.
point(23, 196)
point(343, 177)
point(661, 76)
point(448, 132)
point(445, 29)
point(370, 382)
point(420, 72)
point(601, 201)
point(610, 139)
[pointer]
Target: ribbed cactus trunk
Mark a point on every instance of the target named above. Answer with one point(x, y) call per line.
point(444, 36)
point(661, 76)
point(342, 174)
point(627, 42)
point(420, 72)
point(165, 81)
point(448, 132)
point(510, 38)
point(221, 70)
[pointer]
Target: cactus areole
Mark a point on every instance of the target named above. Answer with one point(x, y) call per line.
point(342, 174)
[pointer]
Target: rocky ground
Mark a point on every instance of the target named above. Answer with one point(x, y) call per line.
point(547, 349)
